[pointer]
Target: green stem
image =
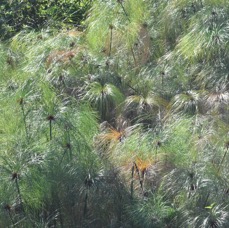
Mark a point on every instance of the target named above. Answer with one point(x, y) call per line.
point(60, 214)
point(111, 37)
point(19, 195)
point(132, 183)
point(85, 204)
point(222, 161)
point(135, 61)
point(62, 157)
point(24, 120)
point(201, 3)
point(11, 219)
point(162, 80)
point(50, 129)
point(123, 8)
point(139, 177)
point(206, 200)
point(69, 141)
point(102, 111)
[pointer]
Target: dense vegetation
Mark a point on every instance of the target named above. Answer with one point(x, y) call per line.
point(124, 124)
point(37, 14)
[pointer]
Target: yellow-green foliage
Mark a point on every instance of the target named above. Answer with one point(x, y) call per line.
point(126, 22)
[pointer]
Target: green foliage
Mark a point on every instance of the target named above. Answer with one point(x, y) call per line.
point(152, 212)
point(124, 124)
point(104, 98)
point(123, 17)
point(35, 14)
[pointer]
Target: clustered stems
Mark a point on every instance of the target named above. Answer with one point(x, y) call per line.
point(220, 165)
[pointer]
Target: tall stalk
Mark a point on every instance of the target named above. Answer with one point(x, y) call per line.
point(50, 129)
point(102, 106)
point(132, 182)
point(123, 8)
point(158, 144)
point(162, 80)
point(67, 148)
point(111, 38)
point(139, 177)
point(68, 144)
point(88, 183)
point(85, 204)
point(21, 102)
point(222, 161)
point(8, 209)
point(134, 57)
point(50, 118)
point(15, 178)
